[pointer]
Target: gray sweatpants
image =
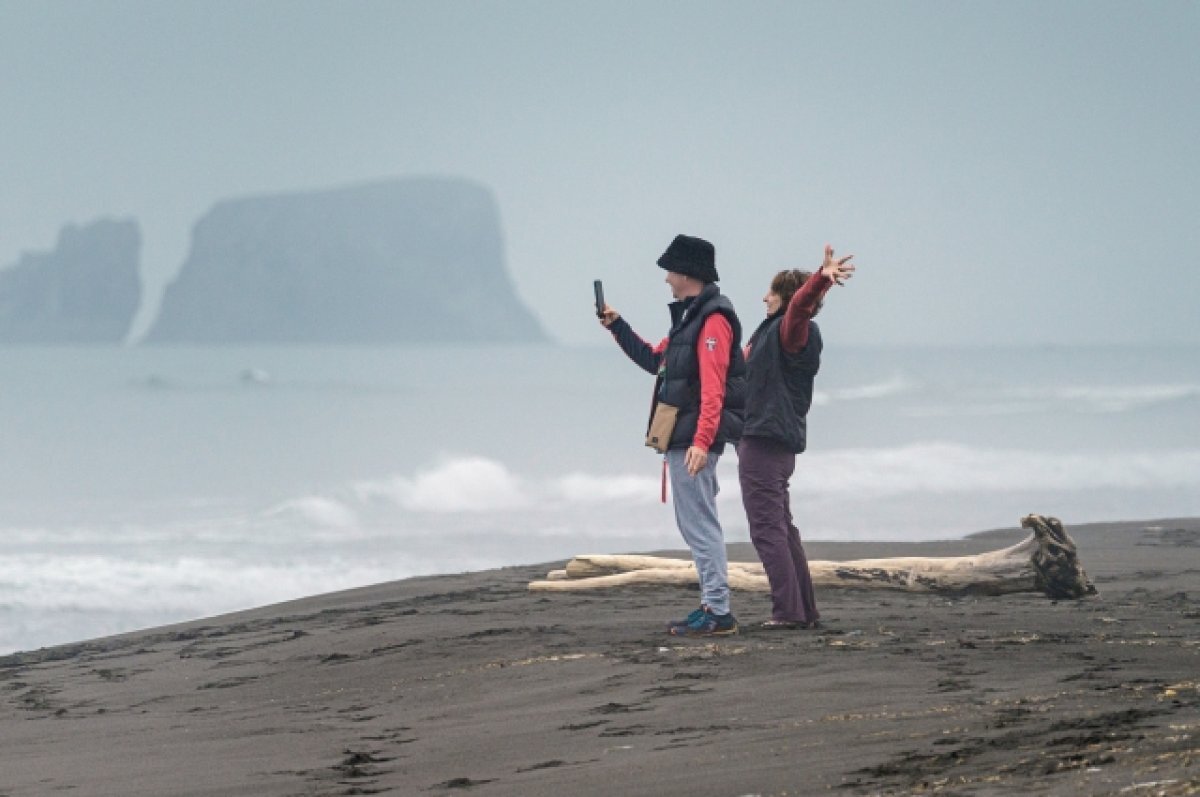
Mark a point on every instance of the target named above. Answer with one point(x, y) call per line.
point(696, 516)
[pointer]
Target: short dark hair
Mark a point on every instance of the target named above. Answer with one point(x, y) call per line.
point(787, 282)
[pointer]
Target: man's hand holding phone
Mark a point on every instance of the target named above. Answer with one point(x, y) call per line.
point(606, 314)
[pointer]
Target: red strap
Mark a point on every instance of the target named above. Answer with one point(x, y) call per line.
point(664, 481)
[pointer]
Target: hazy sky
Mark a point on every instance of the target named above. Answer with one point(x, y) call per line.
point(1005, 172)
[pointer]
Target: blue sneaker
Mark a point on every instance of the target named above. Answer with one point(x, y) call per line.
point(708, 624)
point(694, 617)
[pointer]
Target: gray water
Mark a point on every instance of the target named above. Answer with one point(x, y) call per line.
point(146, 485)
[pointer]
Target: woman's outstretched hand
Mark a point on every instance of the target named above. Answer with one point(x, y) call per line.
point(838, 270)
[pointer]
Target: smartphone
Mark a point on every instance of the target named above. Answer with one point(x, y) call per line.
point(599, 288)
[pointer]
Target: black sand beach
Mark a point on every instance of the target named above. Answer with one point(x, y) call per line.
point(470, 684)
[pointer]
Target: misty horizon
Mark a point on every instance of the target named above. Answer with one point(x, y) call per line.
point(1004, 172)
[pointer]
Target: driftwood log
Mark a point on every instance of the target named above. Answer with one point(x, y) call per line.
point(1045, 562)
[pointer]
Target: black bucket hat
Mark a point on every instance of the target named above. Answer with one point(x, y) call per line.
point(694, 257)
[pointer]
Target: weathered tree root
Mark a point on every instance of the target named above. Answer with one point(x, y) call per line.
point(1059, 574)
point(1045, 562)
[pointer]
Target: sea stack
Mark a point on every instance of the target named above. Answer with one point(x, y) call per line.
point(413, 260)
point(86, 291)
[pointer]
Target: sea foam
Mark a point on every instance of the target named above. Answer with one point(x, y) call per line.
point(462, 484)
point(477, 484)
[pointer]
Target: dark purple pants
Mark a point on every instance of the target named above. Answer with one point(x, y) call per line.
point(764, 468)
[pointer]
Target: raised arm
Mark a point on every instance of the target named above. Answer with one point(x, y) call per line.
point(645, 356)
point(793, 332)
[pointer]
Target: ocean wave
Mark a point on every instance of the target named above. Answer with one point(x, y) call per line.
point(472, 512)
point(50, 598)
point(181, 585)
point(897, 385)
point(955, 468)
point(476, 484)
point(472, 486)
point(589, 488)
point(316, 510)
point(464, 484)
point(1092, 399)
point(1109, 398)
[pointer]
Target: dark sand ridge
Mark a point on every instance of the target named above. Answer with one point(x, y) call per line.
point(471, 684)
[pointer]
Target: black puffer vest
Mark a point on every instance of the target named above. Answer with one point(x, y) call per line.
point(780, 385)
point(679, 378)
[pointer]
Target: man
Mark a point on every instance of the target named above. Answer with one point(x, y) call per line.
point(701, 371)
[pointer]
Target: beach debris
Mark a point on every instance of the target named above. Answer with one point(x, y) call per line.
point(1150, 784)
point(1044, 562)
point(462, 783)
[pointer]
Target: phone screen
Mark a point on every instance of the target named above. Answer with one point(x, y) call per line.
point(599, 287)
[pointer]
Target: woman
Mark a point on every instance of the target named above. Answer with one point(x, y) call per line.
point(782, 358)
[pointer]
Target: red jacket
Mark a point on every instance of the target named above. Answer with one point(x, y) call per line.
point(713, 350)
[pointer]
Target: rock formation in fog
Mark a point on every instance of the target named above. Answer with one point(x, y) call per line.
point(399, 261)
point(87, 290)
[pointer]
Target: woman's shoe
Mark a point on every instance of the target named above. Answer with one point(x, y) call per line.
point(780, 625)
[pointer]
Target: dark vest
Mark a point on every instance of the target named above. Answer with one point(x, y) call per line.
point(679, 378)
point(780, 385)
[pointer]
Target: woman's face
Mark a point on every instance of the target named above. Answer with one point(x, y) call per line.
point(773, 301)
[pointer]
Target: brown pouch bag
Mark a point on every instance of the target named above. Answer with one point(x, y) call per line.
point(661, 425)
